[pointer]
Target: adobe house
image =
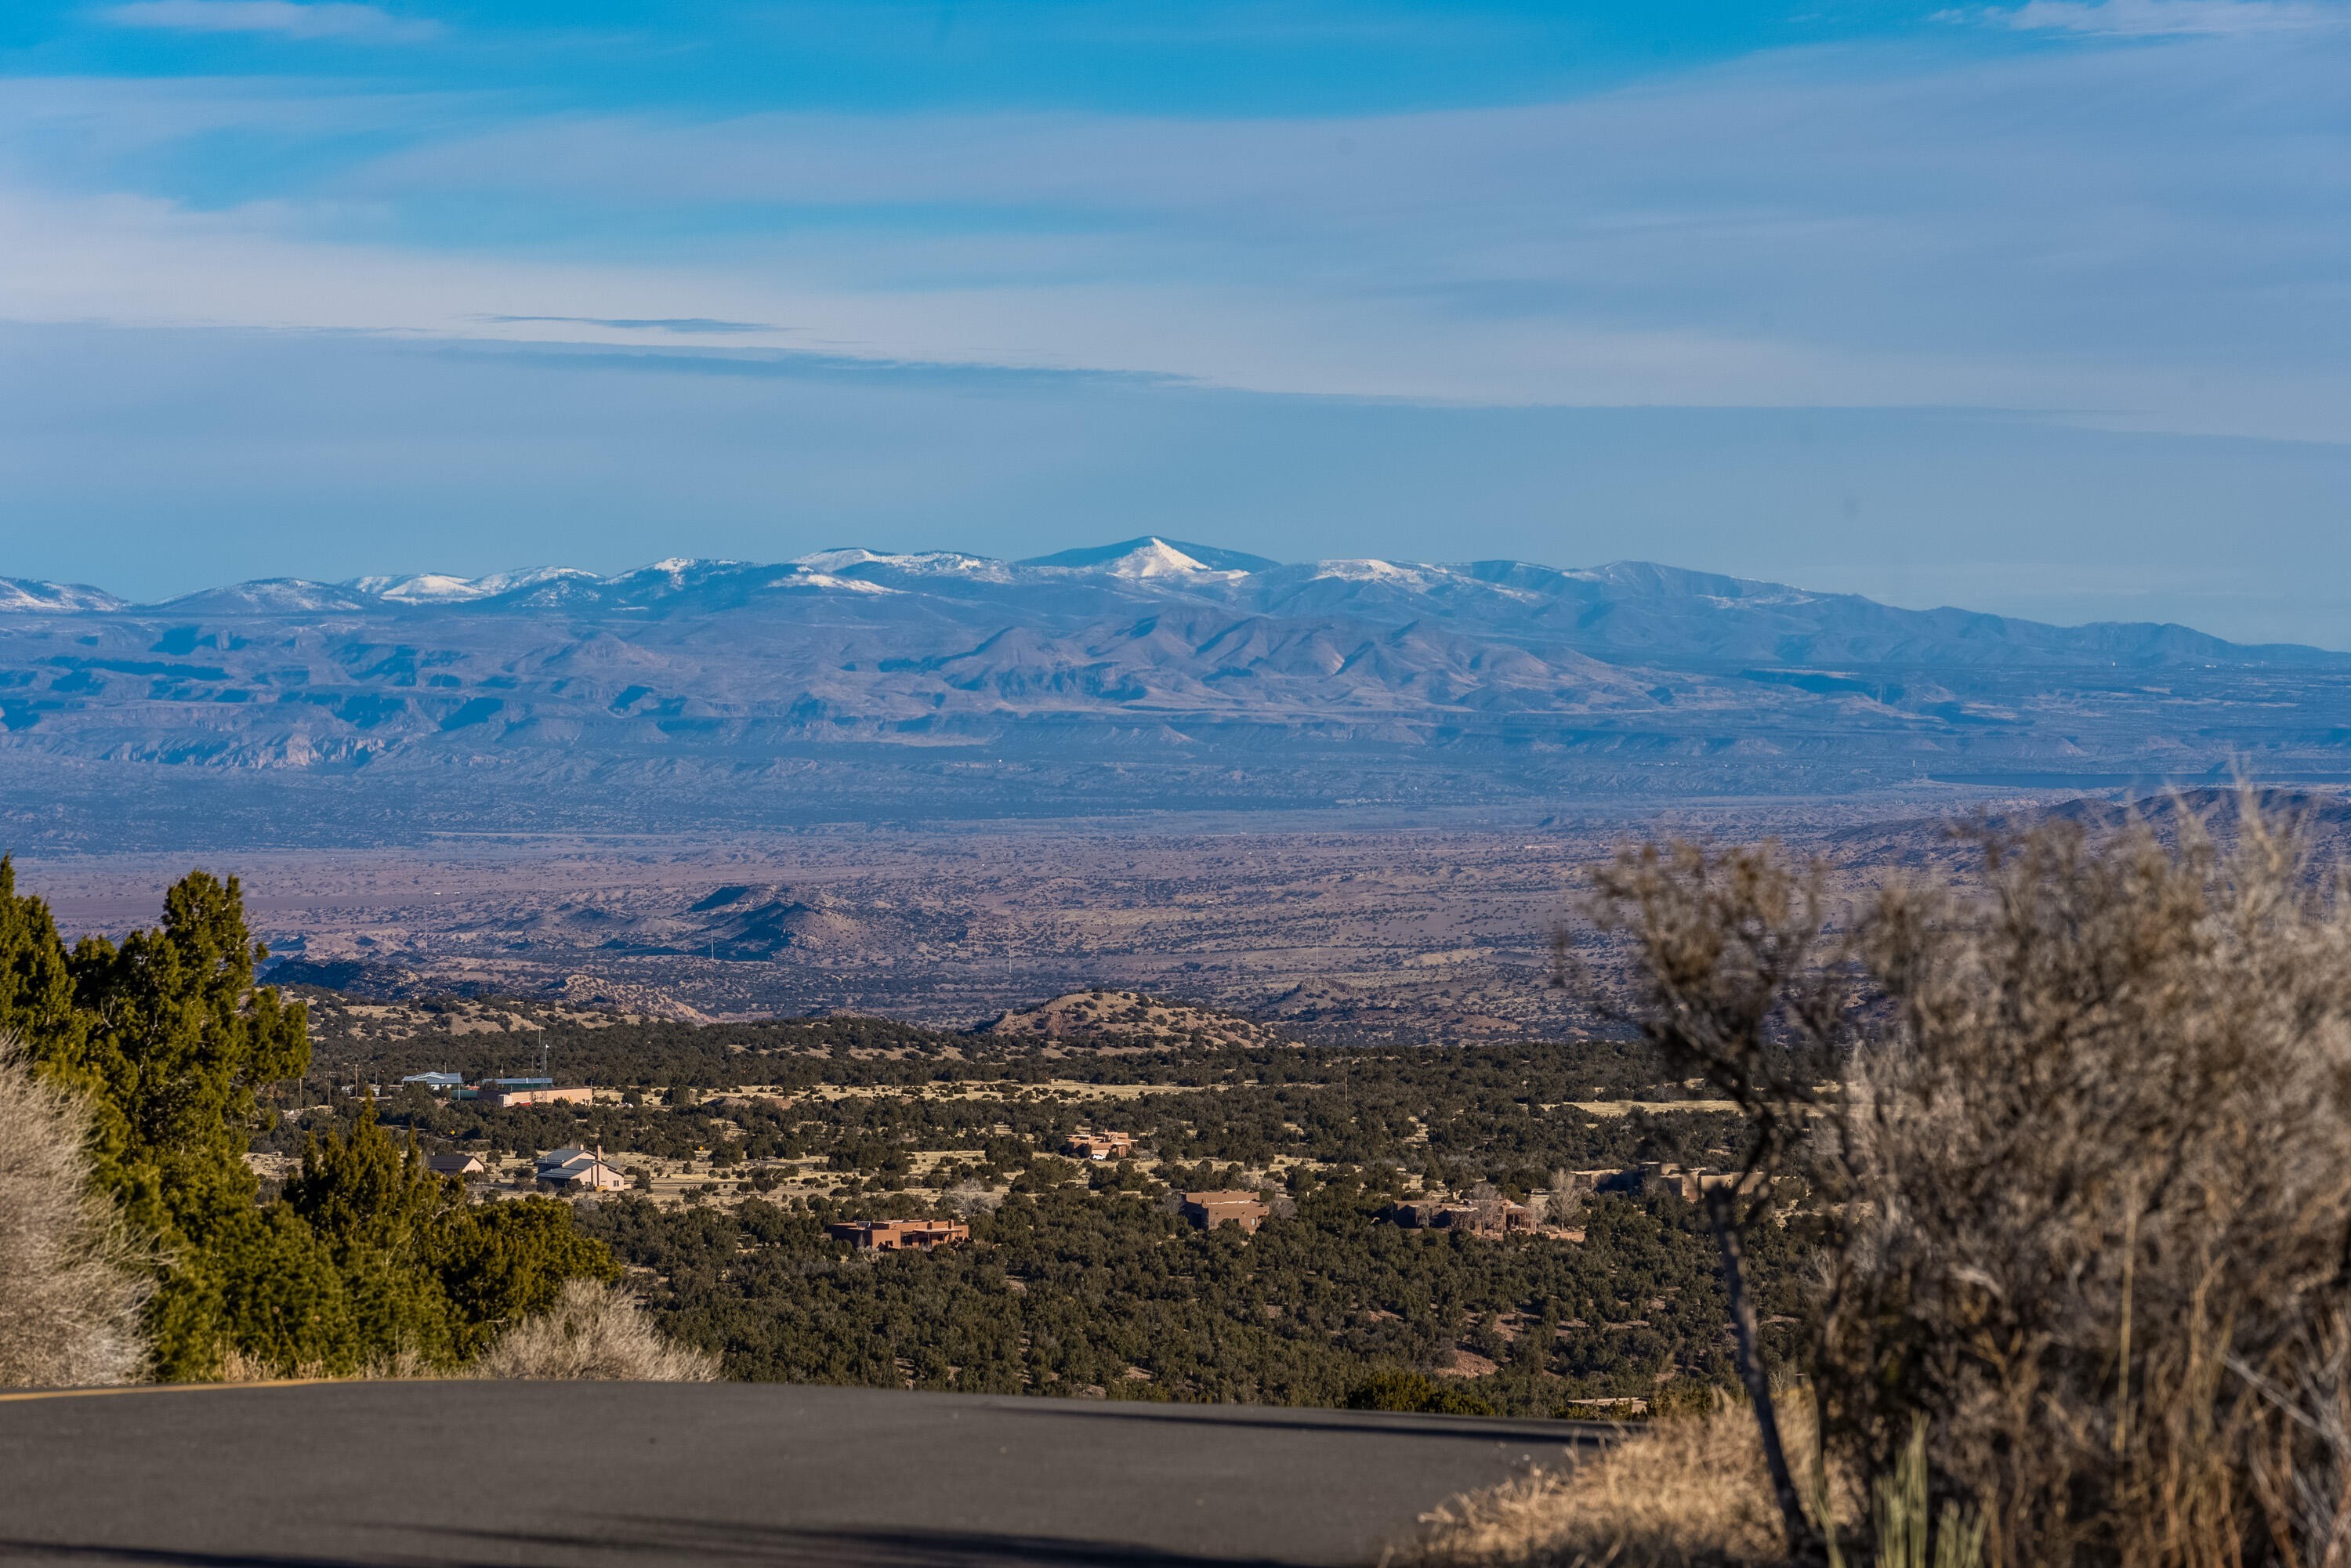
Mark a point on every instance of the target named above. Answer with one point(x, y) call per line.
point(1209, 1209)
point(506, 1099)
point(1495, 1217)
point(1689, 1183)
point(1099, 1145)
point(898, 1235)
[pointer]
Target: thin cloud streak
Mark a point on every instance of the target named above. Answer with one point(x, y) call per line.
point(317, 19)
point(682, 324)
point(2147, 235)
point(2169, 19)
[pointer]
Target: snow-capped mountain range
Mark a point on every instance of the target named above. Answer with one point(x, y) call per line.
point(1146, 648)
point(1665, 613)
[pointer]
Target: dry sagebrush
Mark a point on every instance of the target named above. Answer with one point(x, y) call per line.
point(72, 1280)
point(593, 1331)
point(2085, 1161)
point(1690, 1493)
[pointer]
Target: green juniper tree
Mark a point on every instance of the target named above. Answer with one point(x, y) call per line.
point(169, 1038)
point(367, 1259)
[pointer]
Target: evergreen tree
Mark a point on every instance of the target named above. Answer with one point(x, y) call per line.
point(368, 1257)
point(36, 983)
point(382, 1219)
point(172, 1040)
point(505, 1262)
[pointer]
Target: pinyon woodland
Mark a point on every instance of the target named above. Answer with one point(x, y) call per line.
point(2019, 1235)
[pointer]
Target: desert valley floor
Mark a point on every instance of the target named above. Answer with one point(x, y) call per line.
point(1340, 923)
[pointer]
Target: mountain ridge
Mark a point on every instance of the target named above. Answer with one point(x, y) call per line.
point(1234, 579)
point(1268, 680)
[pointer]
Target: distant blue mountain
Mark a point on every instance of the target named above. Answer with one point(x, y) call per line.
point(1150, 648)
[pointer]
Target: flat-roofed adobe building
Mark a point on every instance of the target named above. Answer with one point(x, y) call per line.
point(1209, 1209)
point(898, 1235)
point(1489, 1217)
point(506, 1098)
point(1099, 1145)
point(489, 1087)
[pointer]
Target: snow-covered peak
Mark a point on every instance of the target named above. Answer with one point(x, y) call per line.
point(1139, 557)
point(671, 567)
point(439, 588)
point(31, 596)
point(842, 560)
point(1144, 561)
point(1155, 557)
point(418, 585)
point(929, 563)
point(807, 578)
point(1370, 571)
point(269, 596)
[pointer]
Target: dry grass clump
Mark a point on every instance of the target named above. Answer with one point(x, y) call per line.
point(593, 1331)
point(408, 1367)
point(2079, 1137)
point(73, 1281)
point(1688, 1492)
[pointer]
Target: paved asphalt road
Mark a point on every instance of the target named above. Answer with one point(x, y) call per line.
point(599, 1474)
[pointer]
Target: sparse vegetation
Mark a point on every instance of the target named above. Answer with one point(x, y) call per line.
point(2052, 1161)
point(2080, 1176)
point(1069, 1287)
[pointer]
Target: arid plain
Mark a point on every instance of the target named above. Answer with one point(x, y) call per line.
point(1337, 925)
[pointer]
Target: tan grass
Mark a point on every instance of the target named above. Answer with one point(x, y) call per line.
point(594, 1332)
point(73, 1281)
point(1687, 1492)
point(236, 1366)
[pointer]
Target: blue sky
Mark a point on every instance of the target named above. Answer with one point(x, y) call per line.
point(2040, 308)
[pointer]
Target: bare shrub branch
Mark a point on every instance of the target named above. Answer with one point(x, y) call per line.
point(73, 1281)
point(2084, 1170)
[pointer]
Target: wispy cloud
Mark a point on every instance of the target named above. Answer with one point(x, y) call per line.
point(2155, 230)
point(334, 19)
point(649, 324)
point(2160, 19)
